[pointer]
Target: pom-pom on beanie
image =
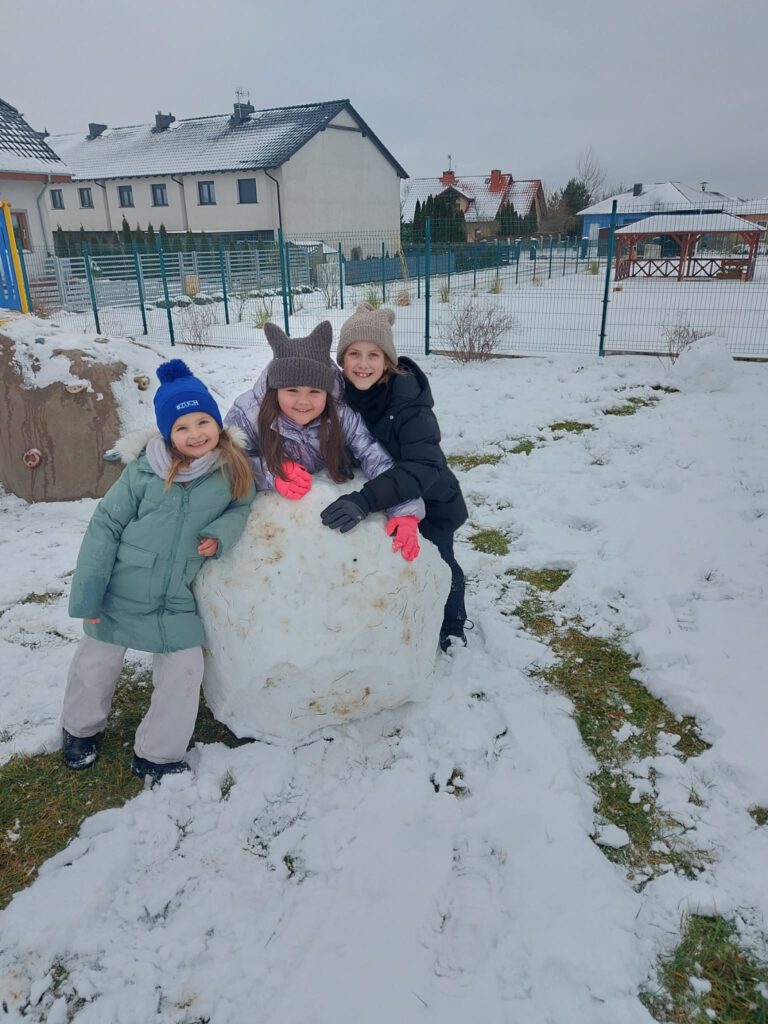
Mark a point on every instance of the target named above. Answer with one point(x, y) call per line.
point(180, 392)
point(301, 362)
point(368, 324)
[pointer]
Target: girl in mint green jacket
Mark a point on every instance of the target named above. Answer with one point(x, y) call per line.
point(183, 497)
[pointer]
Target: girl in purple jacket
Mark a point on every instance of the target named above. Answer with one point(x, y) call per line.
point(296, 424)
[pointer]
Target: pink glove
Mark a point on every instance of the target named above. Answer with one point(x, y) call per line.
point(406, 531)
point(297, 483)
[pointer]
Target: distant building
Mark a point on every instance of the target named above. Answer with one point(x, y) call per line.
point(314, 169)
point(30, 172)
point(479, 197)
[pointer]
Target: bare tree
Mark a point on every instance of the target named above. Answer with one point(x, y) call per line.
point(590, 172)
point(474, 333)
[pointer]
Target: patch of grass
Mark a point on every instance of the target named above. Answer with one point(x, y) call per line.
point(467, 462)
point(43, 803)
point(548, 580)
point(39, 598)
point(665, 389)
point(726, 978)
point(522, 446)
point(631, 406)
point(759, 815)
point(620, 722)
point(491, 542)
point(570, 427)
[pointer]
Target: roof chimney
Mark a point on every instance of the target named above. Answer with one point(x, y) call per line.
point(637, 188)
point(163, 121)
point(95, 130)
point(447, 178)
point(495, 184)
point(242, 111)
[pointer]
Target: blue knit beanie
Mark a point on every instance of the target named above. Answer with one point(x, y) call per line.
point(179, 393)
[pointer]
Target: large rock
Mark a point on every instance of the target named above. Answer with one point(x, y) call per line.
point(306, 627)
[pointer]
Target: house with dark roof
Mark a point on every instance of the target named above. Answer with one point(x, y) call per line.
point(314, 169)
point(479, 197)
point(29, 169)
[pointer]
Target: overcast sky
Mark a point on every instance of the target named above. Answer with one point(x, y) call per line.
point(661, 89)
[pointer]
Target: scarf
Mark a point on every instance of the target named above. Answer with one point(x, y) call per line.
point(371, 404)
point(159, 457)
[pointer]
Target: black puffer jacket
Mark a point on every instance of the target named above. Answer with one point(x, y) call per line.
point(402, 420)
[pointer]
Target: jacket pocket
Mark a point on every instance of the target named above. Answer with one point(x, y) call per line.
point(132, 573)
point(193, 567)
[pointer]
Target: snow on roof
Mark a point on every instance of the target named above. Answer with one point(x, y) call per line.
point(483, 204)
point(204, 144)
point(671, 223)
point(667, 195)
point(22, 149)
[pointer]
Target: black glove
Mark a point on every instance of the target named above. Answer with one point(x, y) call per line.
point(345, 513)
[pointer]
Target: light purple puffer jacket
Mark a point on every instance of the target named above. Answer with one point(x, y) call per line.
point(302, 444)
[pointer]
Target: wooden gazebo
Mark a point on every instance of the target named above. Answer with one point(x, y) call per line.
point(686, 230)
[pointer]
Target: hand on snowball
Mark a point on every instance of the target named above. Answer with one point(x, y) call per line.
point(297, 482)
point(406, 533)
point(345, 513)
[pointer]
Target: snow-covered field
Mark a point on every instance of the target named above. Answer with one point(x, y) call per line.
point(336, 883)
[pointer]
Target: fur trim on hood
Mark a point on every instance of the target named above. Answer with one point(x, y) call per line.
point(129, 448)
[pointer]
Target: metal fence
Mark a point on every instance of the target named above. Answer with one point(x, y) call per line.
point(612, 293)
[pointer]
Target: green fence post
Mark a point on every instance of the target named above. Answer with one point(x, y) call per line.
point(496, 258)
point(223, 272)
point(518, 247)
point(139, 285)
point(418, 271)
point(161, 256)
point(474, 266)
point(565, 254)
point(341, 278)
point(609, 260)
point(24, 278)
point(383, 276)
point(91, 289)
point(551, 249)
point(450, 256)
point(283, 283)
point(427, 254)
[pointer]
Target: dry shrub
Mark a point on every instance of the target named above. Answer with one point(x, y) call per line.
point(195, 323)
point(474, 333)
point(328, 283)
point(679, 336)
point(403, 297)
point(263, 312)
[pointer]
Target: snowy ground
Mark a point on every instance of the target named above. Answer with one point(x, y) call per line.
point(334, 884)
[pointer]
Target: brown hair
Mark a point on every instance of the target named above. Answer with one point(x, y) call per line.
point(271, 444)
point(232, 459)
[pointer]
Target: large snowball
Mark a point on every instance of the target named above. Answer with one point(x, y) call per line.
point(703, 366)
point(306, 627)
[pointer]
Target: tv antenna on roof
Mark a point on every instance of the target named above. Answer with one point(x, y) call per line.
point(450, 168)
point(242, 95)
point(704, 185)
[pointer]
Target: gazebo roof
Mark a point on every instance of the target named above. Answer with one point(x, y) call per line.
point(690, 223)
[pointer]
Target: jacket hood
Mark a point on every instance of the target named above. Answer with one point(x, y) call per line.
point(129, 447)
point(413, 388)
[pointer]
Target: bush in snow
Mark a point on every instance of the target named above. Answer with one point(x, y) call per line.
point(474, 333)
point(679, 336)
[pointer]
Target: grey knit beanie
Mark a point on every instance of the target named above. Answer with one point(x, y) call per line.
point(368, 324)
point(301, 362)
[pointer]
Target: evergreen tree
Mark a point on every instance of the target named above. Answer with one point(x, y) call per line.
point(139, 238)
point(151, 244)
point(163, 232)
point(204, 242)
point(575, 197)
point(125, 232)
point(418, 221)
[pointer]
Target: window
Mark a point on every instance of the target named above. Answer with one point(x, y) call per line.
point(246, 190)
point(206, 193)
point(57, 199)
point(86, 198)
point(159, 195)
point(125, 195)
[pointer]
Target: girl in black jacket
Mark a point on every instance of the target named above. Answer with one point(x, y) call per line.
point(394, 399)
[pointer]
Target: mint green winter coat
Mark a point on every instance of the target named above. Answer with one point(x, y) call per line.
point(139, 557)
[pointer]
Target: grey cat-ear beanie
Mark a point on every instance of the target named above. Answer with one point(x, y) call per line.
point(368, 324)
point(301, 362)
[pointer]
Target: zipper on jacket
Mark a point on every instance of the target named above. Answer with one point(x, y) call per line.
point(172, 559)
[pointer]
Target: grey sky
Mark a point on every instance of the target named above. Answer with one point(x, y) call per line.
point(661, 89)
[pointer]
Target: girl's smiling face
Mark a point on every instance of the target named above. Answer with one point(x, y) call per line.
point(364, 364)
point(194, 434)
point(302, 405)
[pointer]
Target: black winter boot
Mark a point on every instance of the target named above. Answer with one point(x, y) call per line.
point(79, 751)
point(142, 767)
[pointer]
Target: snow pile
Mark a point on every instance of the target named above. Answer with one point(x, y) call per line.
point(307, 627)
point(704, 365)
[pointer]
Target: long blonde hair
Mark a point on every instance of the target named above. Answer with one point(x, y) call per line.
point(233, 460)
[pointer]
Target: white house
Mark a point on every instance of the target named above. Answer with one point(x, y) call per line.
point(29, 168)
point(314, 169)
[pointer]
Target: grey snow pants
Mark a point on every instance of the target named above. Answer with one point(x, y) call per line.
point(166, 729)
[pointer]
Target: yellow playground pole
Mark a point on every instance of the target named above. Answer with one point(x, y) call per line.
point(6, 213)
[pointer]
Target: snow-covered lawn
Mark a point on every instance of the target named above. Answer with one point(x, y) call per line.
point(342, 882)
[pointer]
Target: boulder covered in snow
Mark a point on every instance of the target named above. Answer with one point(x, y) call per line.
point(703, 366)
point(306, 627)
